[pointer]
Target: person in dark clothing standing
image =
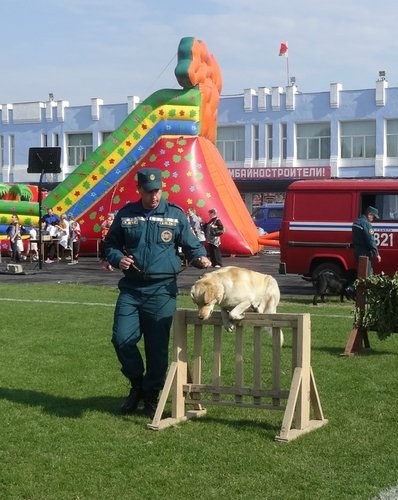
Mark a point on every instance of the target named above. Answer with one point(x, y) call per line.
point(14, 234)
point(213, 230)
point(363, 237)
point(143, 242)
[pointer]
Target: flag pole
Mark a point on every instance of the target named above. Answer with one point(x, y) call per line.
point(284, 51)
point(287, 70)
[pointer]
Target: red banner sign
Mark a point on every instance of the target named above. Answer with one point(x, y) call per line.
point(280, 173)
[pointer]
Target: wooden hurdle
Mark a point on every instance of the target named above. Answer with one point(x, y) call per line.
point(188, 390)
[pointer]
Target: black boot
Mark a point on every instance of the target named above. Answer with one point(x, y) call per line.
point(132, 401)
point(150, 403)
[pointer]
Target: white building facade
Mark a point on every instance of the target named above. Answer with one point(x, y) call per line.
point(267, 136)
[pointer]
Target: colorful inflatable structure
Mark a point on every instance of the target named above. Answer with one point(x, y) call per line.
point(269, 239)
point(174, 130)
point(17, 199)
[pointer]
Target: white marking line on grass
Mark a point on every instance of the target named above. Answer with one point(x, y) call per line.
point(39, 301)
point(7, 299)
point(330, 315)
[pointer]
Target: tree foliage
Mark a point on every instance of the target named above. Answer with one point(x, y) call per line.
point(380, 314)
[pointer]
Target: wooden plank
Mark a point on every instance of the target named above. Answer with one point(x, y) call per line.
point(197, 361)
point(197, 355)
point(238, 363)
point(276, 363)
point(250, 319)
point(302, 413)
point(315, 401)
point(164, 395)
point(257, 365)
point(244, 404)
point(232, 390)
point(291, 405)
point(216, 371)
point(180, 357)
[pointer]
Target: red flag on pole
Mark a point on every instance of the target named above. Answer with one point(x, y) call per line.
point(283, 49)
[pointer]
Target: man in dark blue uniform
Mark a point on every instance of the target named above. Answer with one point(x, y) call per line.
point(363, 237)
point(143, 241)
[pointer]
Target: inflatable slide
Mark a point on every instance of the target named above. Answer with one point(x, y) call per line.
point(174, 130)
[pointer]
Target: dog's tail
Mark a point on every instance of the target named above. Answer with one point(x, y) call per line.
point(307, 278)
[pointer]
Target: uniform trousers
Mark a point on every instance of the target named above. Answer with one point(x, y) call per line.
point(144, 311)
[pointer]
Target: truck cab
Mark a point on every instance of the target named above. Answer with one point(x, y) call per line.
point(316, 231)
point(268, 217)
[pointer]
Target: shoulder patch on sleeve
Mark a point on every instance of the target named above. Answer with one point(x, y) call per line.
point(176, 206)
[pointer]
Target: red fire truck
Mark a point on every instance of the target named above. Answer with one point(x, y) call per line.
point(315, 234)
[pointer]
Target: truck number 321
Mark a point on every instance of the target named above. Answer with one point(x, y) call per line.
point(384, 239)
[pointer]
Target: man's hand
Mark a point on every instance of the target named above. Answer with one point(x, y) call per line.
point(201, 262)
point(126, 261)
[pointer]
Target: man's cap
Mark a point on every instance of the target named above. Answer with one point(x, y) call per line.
point(373, 211)
point(149, 179)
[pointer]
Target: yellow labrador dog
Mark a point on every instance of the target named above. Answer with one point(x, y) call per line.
point(236, 290)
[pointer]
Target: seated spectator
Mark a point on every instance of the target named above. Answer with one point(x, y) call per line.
point(50, 219)
point(63, 235)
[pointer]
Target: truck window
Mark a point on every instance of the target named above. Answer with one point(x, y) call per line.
point(275, 213)
point(258, 214)
point(386, 203)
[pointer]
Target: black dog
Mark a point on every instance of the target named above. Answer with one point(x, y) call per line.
point(327, 283)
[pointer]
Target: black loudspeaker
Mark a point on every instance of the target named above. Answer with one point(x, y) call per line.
point(44, 161)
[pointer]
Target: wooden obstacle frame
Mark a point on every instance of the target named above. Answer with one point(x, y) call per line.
point(359, 338)
point(300, 403)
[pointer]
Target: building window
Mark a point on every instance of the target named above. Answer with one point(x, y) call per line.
point(358, 139)
point(55, 140)
point(256, 142)
point(269, 142)
point(80, 146)
point(44, 142)
point(1, 151)
point(284, 140)
point(313, 141)
point(231, 143)
point(392, 138)
point(11, 143)
point(105, 136)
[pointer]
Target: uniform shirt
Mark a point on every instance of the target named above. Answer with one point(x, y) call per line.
point(363, 238)
point(152, 239)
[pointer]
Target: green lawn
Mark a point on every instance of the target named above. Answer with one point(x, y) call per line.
point(61, 436)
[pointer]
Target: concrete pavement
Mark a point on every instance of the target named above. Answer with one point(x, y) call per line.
point(88, 271)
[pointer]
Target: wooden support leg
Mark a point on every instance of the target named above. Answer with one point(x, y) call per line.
point(359, 336)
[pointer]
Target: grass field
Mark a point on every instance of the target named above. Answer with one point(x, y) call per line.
point(61, 436)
